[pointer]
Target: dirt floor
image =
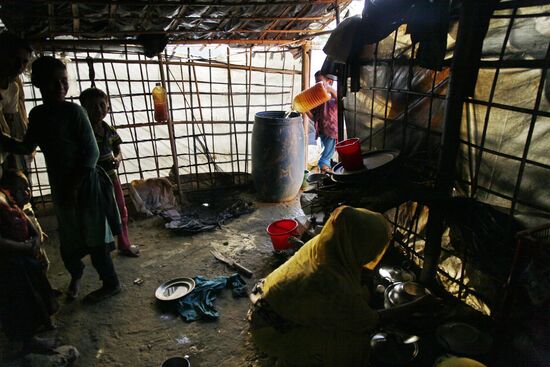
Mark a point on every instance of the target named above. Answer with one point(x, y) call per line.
point(132, 330)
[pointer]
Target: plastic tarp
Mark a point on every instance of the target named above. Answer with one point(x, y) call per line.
point(395, 120)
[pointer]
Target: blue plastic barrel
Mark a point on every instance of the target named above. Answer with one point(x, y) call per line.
point(278, 158)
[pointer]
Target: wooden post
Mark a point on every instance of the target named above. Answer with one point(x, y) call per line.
point(341, 83)
point(473, 24)
point(171, 134)
point(306, 72)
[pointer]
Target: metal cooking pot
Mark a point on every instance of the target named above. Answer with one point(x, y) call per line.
point(388, 275)
point(403, 292)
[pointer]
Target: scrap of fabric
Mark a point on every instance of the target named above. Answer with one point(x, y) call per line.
point(199, 304)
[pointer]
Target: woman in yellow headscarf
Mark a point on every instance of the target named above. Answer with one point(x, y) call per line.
point(313, 309)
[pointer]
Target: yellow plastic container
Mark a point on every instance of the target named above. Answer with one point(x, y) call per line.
point(311, 98)
point(160, 102)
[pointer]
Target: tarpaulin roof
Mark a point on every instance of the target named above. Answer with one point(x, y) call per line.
point(254, 21)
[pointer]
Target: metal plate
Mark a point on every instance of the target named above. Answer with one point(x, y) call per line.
point(316, 177)
point(463, 339)
point(373, 161)
point(174, 289)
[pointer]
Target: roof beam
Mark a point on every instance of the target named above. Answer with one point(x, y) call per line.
point(76, 19)
point(136, 33)
point(174, 42)
point(269, 27)
point(112, 14)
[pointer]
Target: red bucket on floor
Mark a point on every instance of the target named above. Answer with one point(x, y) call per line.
point(280, 231)
point(349, 151)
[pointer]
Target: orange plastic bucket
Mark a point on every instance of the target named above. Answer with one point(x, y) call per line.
point(310, 98)
point(280, 231)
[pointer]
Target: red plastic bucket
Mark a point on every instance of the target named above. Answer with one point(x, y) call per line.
point(349, 151)
point(280, 231)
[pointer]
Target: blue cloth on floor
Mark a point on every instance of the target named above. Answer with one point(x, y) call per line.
point(199, 304)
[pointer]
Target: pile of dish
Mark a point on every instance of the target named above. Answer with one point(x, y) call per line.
point(394, 348)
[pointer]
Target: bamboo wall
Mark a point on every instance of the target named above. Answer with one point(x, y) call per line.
point(213, 92)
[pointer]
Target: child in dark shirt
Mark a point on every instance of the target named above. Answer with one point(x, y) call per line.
point(96, 103)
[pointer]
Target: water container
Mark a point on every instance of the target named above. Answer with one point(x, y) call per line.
point(311, 98)
point(160, 102)
point(278, 158)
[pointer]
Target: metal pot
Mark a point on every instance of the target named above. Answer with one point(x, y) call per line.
point(403, 292)
point(392, 274)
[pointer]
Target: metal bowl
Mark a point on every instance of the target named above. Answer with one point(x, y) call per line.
point(404, 292)
point(174, 289)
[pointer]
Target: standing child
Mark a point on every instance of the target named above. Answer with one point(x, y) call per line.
point(83, 199)
point(326, 120)
point(96, 103)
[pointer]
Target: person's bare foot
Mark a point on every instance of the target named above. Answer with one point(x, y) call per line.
point(73, 289)
point(132, 251)
point(326, 169)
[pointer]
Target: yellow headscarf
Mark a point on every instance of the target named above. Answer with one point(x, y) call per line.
point(452, 361)
point(320, 286)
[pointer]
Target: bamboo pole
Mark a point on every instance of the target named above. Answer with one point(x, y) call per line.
point(68, 18)
point(195, 153)
point(249, 91)
point(248, 41)
point(306, 72)
point(134, 133)
point(211, 107)
point(203, 142)
point(131, 106)
point(171, 131)
point(111, 114)
point(152, 127)
point(188, 115)
point(473, 18)
point(205, 64)
point(265, 83)
point(231, 126)
point(191, 31)
point(217, 64)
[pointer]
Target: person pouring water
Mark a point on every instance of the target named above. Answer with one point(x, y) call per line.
point(325, 118)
